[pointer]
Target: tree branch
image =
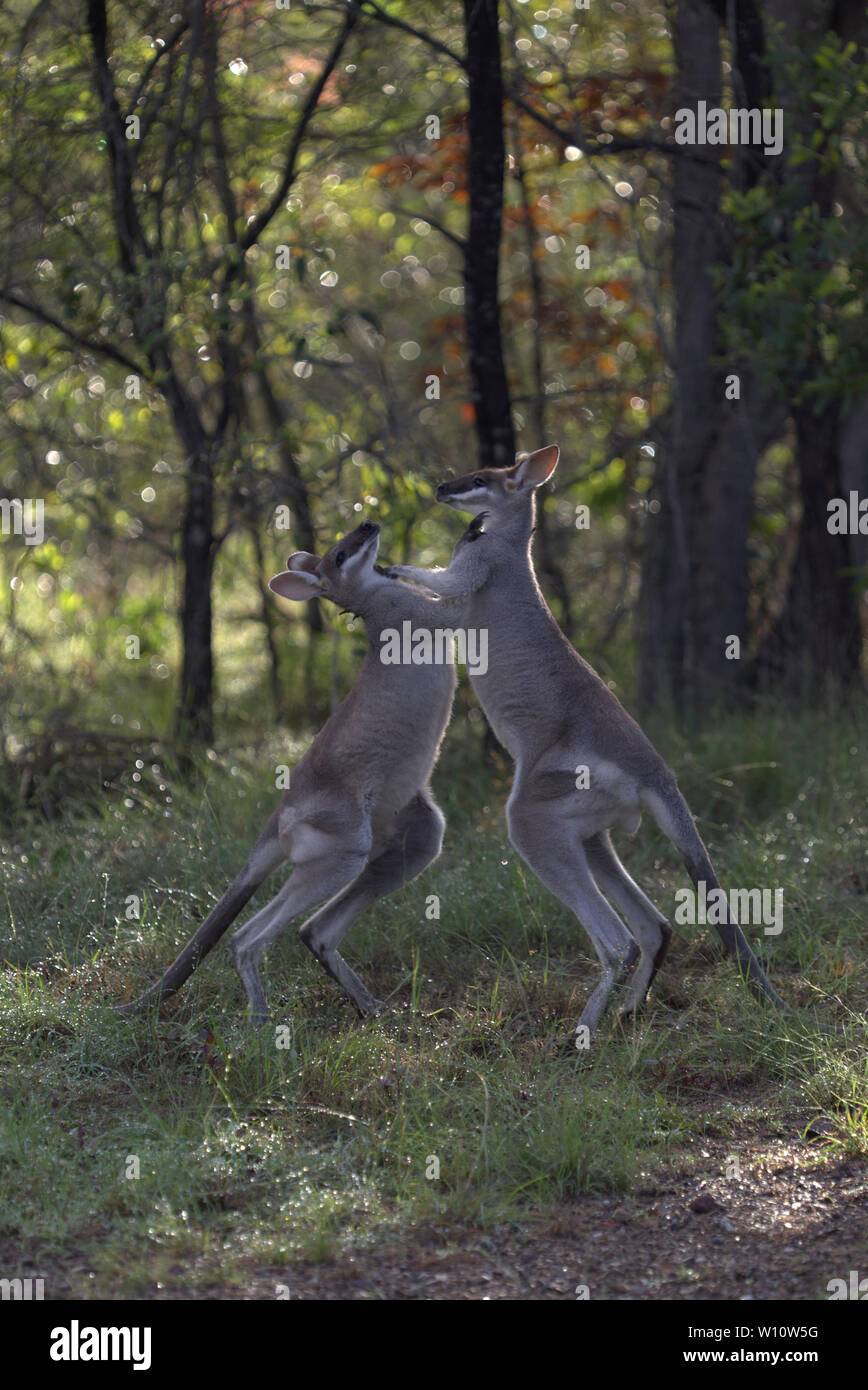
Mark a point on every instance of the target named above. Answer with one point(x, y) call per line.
point(572, 134)
point(432, 222)
point(406, 28)
point(257, 226)
point(179, 30)
point(92, 344)
point(127, 226)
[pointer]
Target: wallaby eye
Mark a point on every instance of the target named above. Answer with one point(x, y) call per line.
point(339, 558)
point(479, 482)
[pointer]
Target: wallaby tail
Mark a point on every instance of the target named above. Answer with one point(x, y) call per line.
point(672, 814)
point(263, 858)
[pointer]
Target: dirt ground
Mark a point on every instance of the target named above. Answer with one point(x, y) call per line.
point(780, 1231)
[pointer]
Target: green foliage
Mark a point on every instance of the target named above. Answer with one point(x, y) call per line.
point(793, 291)
point(368, 307)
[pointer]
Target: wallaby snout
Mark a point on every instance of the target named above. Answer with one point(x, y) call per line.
point(362, 536)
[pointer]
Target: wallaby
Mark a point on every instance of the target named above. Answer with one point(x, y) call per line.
point(358, 819)
point(583, 767)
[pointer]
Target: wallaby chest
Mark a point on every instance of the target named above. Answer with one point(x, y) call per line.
point(404, 722)
point(526, 657)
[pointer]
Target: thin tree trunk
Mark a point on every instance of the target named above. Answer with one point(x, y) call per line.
point(266, 607)
point(195, 721)
point(668, 638)
point(490, 390)
point(814, 648)
point(296, 491)
point(551, 571)
point(719, 563)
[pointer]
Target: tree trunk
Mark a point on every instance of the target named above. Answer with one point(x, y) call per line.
point(490, 390)
point(267, 609)
point(720, 581)
point(694, 577)
point(814, 648)
point(668, 633)
point(195, 717)
point(548, 566)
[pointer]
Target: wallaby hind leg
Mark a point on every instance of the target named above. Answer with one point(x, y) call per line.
point(265, 856)
point(547, 847)
point(673, 815)
point(309, 883)
point(649, 927)
point(415, 844)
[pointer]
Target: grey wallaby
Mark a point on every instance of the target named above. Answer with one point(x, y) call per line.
point(358, 819)
point(557, 719)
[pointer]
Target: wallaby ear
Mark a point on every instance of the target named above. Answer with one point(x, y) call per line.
point(537, 468)
point(296, 584)
point(303, 560)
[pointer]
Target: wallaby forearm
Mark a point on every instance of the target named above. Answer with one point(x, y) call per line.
point(448, 583)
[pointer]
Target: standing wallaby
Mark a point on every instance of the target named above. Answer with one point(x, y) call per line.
point(557, 719)
point(358, 819)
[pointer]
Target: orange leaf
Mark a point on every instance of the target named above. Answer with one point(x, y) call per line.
point(618, 289)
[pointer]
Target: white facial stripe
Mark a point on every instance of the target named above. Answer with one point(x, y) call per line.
point(472, 493)
point(360, 560)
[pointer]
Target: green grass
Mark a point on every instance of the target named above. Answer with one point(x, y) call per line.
point(252, 1155)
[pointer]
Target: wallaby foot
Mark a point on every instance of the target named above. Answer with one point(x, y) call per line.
point(140, 1005)
point(377, 1006)
point(632, 1009)
point(643, 976)
point(663, 951)
point(258, 1015)
point(613, 976)
point(315, 939)
point(596, 1006)
point(633, 954)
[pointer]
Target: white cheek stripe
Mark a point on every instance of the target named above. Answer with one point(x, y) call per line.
point(353, 561)
point(362, 559)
